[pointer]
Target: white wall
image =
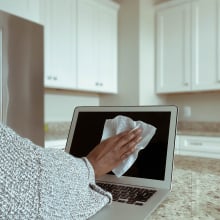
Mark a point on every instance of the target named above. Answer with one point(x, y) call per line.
point(147, 94)
point(128, 56)
point(135, 55)
point(59, 106)
point(204, 106)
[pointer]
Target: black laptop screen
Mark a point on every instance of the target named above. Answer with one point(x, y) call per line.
point(151, 161)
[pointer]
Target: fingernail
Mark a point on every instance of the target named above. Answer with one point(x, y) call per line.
point(139, 139)
point(134, 128)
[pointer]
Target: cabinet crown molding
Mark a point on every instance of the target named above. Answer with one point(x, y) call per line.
point(170, 3)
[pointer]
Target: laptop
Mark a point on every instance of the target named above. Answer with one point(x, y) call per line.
point(149, 178)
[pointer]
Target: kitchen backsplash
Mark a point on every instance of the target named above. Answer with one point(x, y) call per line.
point(60, 130)
point(199, 128)
point(56, 130)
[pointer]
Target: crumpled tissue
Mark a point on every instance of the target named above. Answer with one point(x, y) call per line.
point(122, 123)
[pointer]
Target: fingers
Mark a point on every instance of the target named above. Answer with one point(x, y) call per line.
point(127, 152)
point(128, 143)
point(131, 137)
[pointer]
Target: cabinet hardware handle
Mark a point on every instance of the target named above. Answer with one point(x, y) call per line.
point(98, 84)
point(196, 143)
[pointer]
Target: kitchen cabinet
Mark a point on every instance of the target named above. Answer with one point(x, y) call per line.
point(97, 46)
point(173, 48)
point(205, 45)
point(200, 146)
point(59, 20)
point(188, 46)
point(28, 9)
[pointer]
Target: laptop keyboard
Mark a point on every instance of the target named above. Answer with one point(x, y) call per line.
point(128, 194)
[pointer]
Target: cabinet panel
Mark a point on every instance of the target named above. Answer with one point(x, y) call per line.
point(87, 54)
point(205, 74)
point(59, 18)
point(108, 49)
point(173, 49)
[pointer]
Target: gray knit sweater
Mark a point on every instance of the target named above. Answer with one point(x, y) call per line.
point(39, 183)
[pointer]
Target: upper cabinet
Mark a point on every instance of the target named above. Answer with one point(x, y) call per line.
point(205, 45)
point(187, 46)
point(80, 44)
point(173, 49)
point(28, 9)
point(59, 20)
point(97, 46)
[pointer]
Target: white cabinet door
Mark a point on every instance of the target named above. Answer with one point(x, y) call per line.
point(28, 9)
point(173, 49)
point(205, 45)
point(59, 19)
point(108, 49)
point(97, 46)
point(87, 54)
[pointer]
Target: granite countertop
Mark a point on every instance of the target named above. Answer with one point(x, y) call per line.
point(195, 191)
point(60, 130)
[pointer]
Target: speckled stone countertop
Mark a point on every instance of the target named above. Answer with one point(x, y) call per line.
point(195, 191)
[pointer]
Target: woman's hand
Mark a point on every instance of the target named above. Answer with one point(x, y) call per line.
point(112, 151)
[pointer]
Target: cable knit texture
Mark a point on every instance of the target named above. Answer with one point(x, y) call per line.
point(39, 183)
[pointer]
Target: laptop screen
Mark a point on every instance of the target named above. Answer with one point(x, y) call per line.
point(151, 161)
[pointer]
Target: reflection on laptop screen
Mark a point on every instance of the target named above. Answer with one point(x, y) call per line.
point(151, 161)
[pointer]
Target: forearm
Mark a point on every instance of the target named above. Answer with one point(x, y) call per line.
point(74, 193)
point(48, 183)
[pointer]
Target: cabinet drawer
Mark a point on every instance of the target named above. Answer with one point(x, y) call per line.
point(199, 146)
point(56, 144)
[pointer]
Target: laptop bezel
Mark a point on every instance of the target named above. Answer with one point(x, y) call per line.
point(125, 180)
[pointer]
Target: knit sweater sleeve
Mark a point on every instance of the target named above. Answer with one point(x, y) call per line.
point(39, 183)
point(68, 189)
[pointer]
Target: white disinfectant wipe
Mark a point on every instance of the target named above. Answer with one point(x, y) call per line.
point(122, 123)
